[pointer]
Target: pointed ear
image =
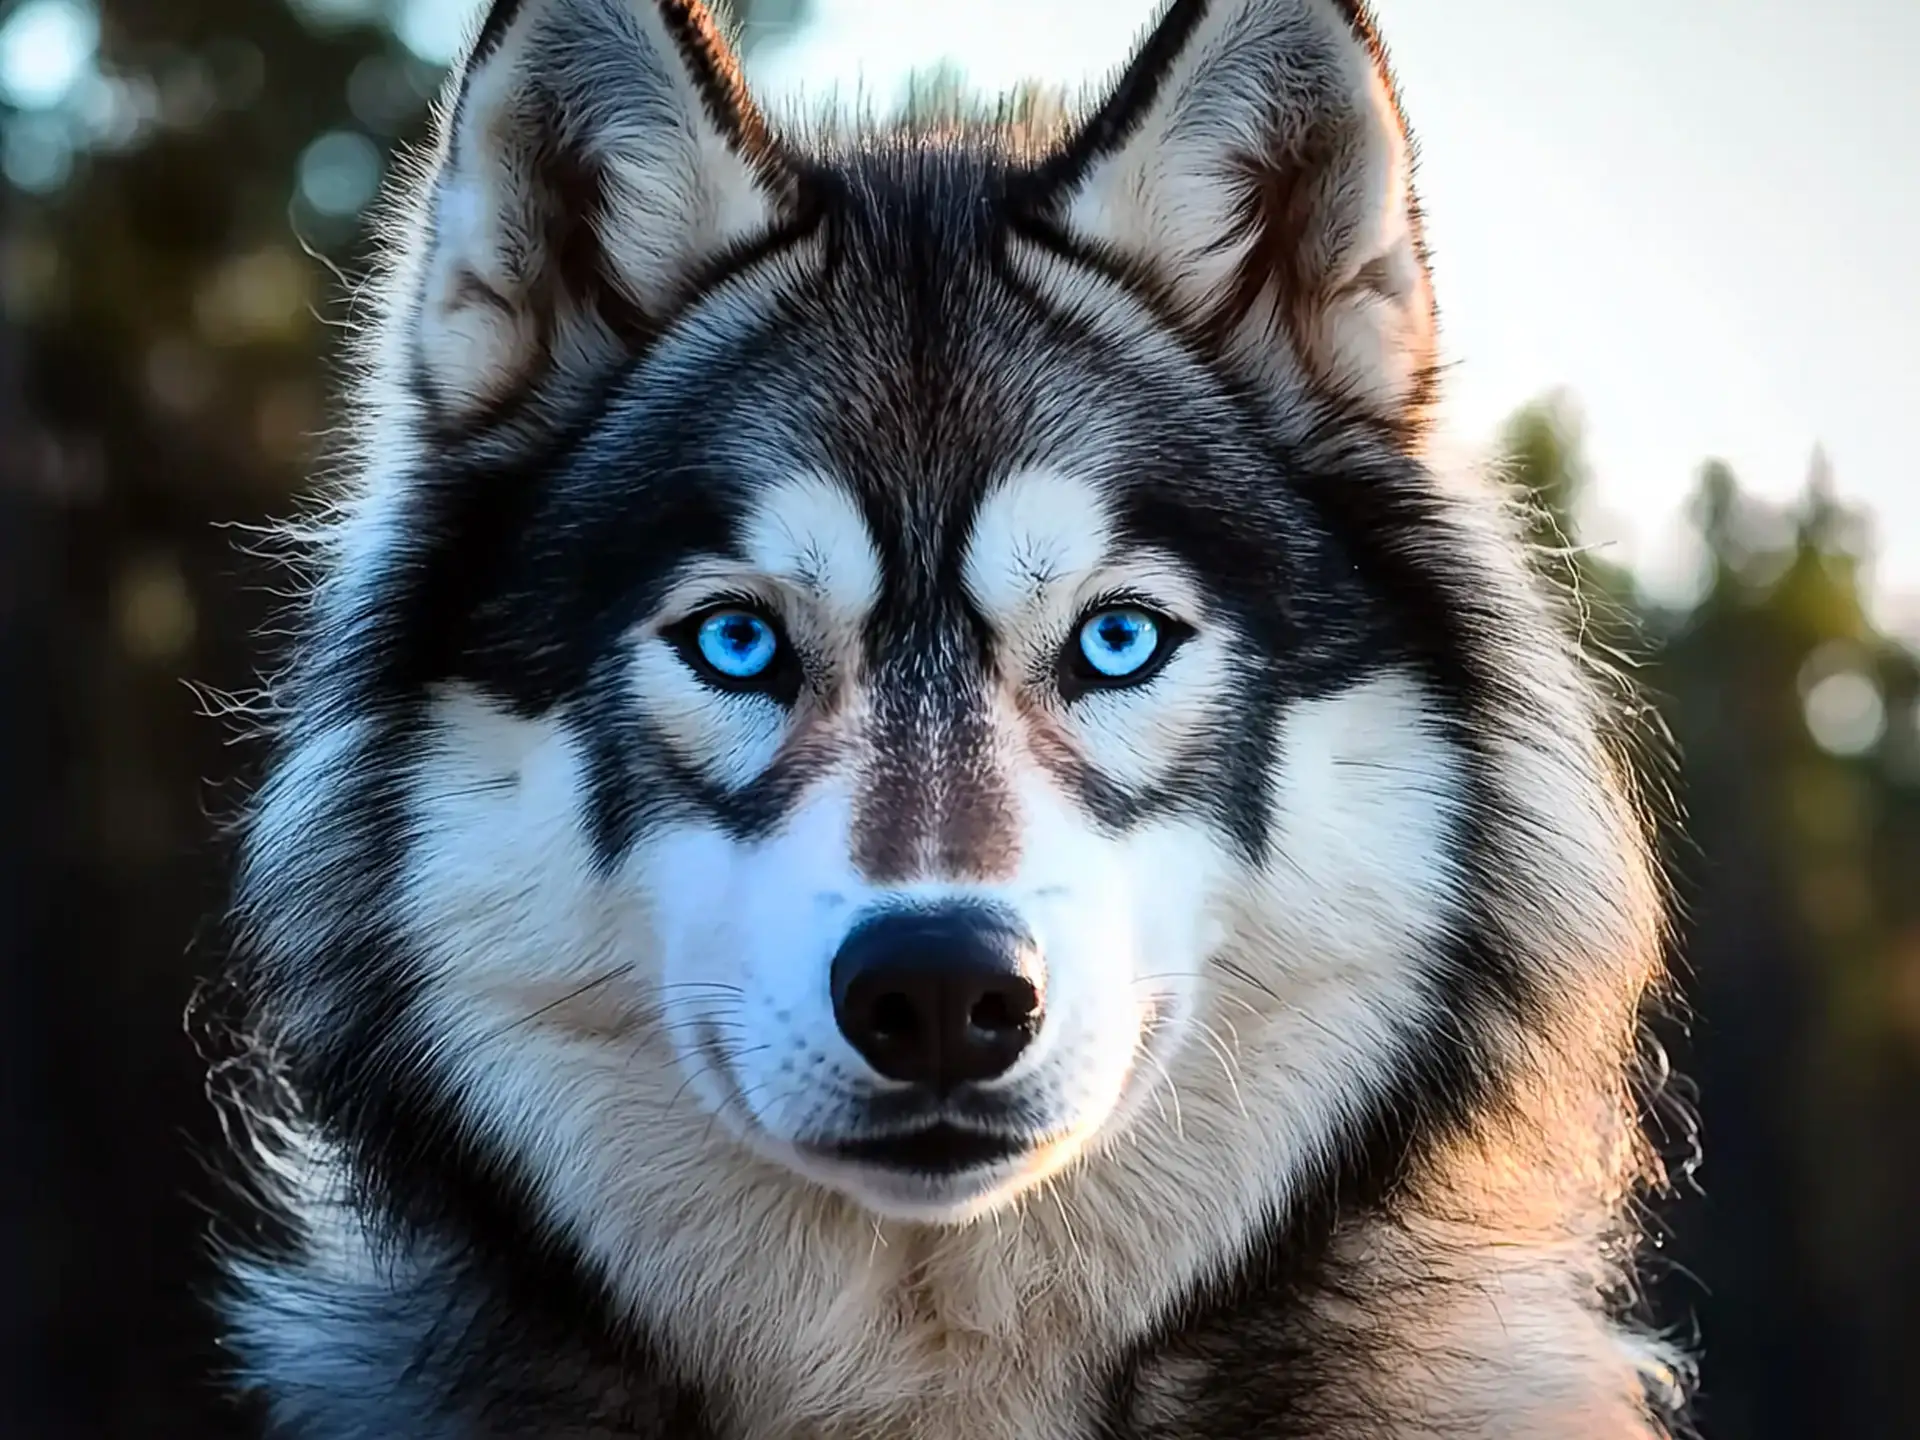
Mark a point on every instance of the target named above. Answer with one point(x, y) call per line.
point(1253, 160)
point(597, 157)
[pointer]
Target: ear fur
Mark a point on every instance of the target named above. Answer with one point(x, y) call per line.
point(1253, 158)
point(598, 154)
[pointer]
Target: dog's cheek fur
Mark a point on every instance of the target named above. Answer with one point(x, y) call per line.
point(730, 739)
point(1494, 1261)
point(746, 936)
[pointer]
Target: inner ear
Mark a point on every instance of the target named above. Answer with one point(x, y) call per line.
point(1252, 161)
point(598, 158)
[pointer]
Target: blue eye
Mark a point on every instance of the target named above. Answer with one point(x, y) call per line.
point(1120, 642)
point(737, 643)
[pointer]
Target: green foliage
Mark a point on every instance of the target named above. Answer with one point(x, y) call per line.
point(1541, 453)
point(756, 23)
point(1543, 447)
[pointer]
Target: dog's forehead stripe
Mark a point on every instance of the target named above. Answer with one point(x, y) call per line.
point(933, 799)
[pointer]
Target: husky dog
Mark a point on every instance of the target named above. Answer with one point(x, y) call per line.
point(909, 808)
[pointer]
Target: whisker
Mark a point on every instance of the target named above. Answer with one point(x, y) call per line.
point(1239, 1000)
point(1228, 1066)
point(1173, 1093)
point(552, 1005)
point(723, 1056)
point(1248, 978)
point(1066, 1222)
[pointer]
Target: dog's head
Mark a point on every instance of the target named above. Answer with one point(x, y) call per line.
point(895, 650)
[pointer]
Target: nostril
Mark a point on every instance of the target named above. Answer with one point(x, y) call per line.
point(999, 1011)
point(894, 1017)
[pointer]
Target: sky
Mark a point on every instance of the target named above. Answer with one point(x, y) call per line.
point(1702, 218)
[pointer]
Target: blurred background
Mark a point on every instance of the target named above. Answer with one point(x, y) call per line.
point(1676, 257)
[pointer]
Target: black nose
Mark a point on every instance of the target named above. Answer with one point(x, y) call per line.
point(938, 997)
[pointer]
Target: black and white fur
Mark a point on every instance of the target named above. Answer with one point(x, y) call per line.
point(1347, 914)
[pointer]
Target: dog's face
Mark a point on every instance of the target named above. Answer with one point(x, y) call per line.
point(945, 743)
point(887, 653)
point(965, 911)
point(923, 666)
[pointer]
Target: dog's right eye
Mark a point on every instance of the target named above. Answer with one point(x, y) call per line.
point(737, 643)
point(735, 647)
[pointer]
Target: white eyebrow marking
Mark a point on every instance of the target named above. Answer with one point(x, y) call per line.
point(1034, 529)
point(808, 531)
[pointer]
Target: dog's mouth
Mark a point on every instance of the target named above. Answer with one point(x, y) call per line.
point(940, 1149)
point(932, 1150)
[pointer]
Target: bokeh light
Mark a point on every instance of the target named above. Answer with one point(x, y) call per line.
point(46, 49)
point(433, 29)
point(340, 173)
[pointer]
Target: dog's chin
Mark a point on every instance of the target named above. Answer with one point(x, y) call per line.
point(939, 1175)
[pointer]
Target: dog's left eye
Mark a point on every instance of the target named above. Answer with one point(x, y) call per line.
point(1121, 645)
point(737, 643)
point(739, 648)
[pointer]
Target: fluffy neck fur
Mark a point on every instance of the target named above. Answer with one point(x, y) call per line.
point(1474, 1307)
